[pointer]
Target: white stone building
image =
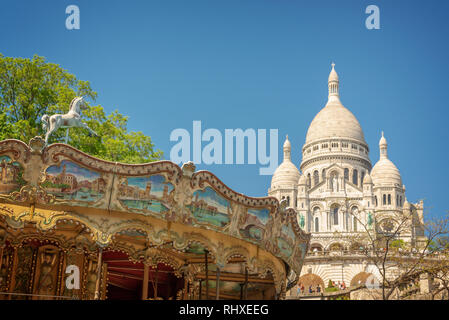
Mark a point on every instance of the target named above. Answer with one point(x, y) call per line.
point(337, 193)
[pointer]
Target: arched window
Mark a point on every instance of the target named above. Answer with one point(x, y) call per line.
point(335, 215)
point(355, 177)
point(375, 201)
point(400, 201)
point(316, 177)
point(384, 199)
point(323, 174)
point(317, 226)
point(362, 176)
point(288, 200)
point(346, 174)
point(397, 200)
point(389, 199)
point(354, 223)
point(308, 180)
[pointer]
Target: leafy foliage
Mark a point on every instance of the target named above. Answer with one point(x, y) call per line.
point(30, 88)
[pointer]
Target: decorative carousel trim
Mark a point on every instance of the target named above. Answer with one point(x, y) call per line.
point(58, 150)
point(199, 179)
point(17, 148)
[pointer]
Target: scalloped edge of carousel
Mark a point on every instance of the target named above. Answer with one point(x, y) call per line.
point(197, 178)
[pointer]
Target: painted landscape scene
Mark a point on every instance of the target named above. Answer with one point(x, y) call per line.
point(286, 241)
point(150, 193)
point(209, 207)
point(69, 181)
point(254, 226)
point(10, 175)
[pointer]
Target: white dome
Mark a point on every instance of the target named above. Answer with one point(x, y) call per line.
point(286, 174)
point(334, 120)
point(384, 171)
point(367, 179)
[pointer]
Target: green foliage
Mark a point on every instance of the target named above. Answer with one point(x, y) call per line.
point(30, 88)
point(439, 244)
point(48, 184)
point(330, 289)
point(398, 243)
point(330, 284)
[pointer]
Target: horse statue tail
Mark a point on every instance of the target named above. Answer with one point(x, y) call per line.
point(45, 122)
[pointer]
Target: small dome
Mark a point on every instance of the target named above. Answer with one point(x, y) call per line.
point(407, 204)
point(383, 141)
point(385, 172)
point(302, 180)
point(333, 76)
point(287, 143)
point(367, 179)
point(286, 174)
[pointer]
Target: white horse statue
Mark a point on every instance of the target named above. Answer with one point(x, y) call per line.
point(71, 119)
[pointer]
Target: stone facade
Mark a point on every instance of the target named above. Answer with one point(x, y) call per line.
point(338, 194)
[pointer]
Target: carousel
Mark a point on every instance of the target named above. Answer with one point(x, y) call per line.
point(76, 227)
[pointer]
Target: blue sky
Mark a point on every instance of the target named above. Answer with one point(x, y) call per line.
point(258, 64)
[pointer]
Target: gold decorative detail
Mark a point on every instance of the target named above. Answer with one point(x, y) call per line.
point(37, 145)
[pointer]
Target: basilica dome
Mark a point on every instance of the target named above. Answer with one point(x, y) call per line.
point(287, 174)
point(384, 171)
point(334, 120)
point(335, 133)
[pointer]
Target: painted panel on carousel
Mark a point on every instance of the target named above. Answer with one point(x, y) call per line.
point(146, 194)
point(69, 181)
point(208, 207)
point(286, 241)
point(195, 248)
point(254, 226)
point(11, 173)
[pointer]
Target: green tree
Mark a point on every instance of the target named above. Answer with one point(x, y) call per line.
point(30, 88)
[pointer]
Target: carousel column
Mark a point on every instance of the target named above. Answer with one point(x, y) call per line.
point(217, 284)
point(99, 266)
point(200, 291)
point(1, 256)
point(146, 276)
point(186, 288)
point(245, 290)
point(207, 274)
point(2, 244)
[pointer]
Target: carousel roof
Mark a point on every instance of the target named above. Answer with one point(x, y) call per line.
point(158, 214)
